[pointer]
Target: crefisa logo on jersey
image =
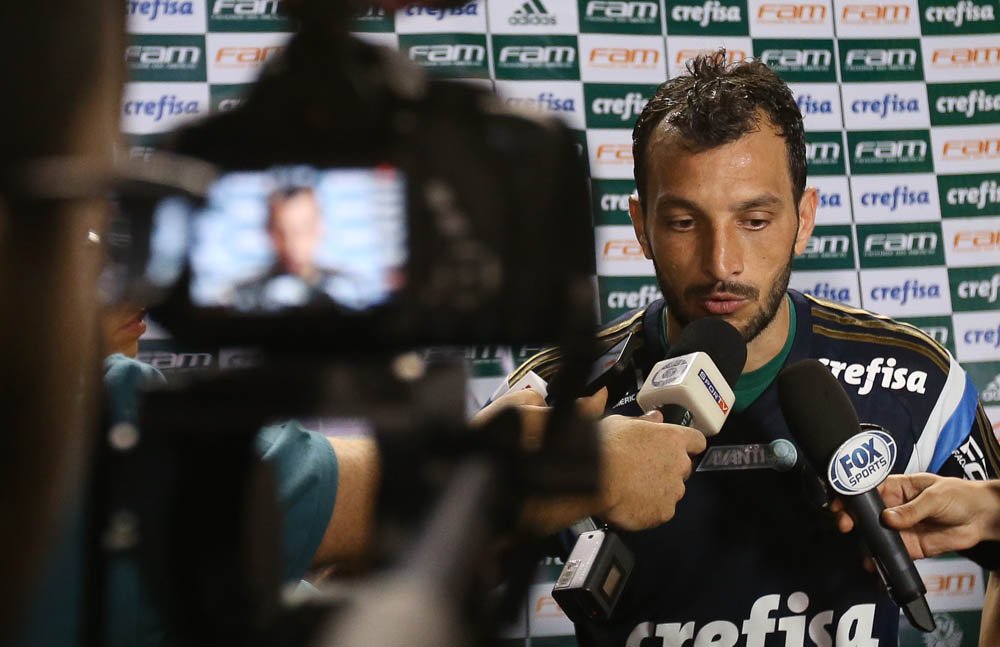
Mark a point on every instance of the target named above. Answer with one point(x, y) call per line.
point(862, 462)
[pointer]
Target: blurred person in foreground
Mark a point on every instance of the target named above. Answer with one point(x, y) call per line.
point(61, 84)
point(50, 371)
point(751, 556)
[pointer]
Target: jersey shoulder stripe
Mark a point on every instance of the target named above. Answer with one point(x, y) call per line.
point(852, 324)
point(545, 362)
point(956, 429)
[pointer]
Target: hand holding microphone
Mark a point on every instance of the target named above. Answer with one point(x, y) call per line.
point(854, 461)
point(646, 464)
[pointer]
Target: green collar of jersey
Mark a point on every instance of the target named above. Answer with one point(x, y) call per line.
point(751, 385)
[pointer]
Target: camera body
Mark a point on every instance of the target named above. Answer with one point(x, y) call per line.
point(494, 218)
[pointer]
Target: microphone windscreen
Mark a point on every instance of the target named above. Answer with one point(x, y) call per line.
point(719, 340)
point(820, 415)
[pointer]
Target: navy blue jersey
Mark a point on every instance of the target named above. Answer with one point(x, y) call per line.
point(751, 559)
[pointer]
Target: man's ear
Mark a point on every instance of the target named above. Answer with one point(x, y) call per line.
point(638, 217)
point(807, 218)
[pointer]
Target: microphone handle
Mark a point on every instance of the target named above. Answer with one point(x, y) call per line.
point(891, 558)
point(676, 415)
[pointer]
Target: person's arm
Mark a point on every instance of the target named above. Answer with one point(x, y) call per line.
point(644, 464)
point(349, 530)
point(989, 622)
point(937, 514)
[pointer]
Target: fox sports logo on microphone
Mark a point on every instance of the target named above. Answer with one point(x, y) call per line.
point(862, 462)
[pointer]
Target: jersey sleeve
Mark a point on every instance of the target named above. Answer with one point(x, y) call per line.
point(957, 439)
point(305, 467)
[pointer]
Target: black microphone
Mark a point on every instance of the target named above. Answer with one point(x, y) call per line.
point(854, 461)
point(692, 386)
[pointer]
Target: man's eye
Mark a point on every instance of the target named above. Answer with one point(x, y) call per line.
point(681, 224)
point(755, 223)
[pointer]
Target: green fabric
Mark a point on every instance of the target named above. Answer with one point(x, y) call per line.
point(306, 475)
point(750, 385)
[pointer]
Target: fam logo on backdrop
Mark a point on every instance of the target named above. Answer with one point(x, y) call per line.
point(610, 153)
point(906, 292)
point(829, 248)
point(248, 15)
point(964, 196)
point(448, 55)
point(619, 17)
point(955, 104)
point(239, 58)
point(937, 328)
point(165, 16)
point(150, 108)
point(682, 49)
point(563, 99)
point(618, 59)
point(839, 286)
point(707, 17)
point(619, 253)
point(469, 18)
point(535, 57)
point(895, 198)
point(893, 151)
point(877, 18)
point(166, 58)
point(940, 18)
point(866, 61)
point(825, 153)
point(972, 242)
point(798, 61)
point(902, 244)
point(958, 149)
point(885, 106)
point(769, 19)
point(961, 58)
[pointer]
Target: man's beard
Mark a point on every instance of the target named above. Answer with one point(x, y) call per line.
point(760, 319)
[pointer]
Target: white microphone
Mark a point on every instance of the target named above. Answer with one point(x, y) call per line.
point(692, 386)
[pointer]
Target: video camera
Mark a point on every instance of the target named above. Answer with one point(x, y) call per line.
point(334, 218)
point(348, 210)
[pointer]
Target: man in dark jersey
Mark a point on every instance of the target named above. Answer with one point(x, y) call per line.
point(751, 557)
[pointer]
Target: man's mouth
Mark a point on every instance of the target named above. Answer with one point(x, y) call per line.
point(722, 303)
point(135, 325)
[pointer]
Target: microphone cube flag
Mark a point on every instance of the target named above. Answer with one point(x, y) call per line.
point(693, 382)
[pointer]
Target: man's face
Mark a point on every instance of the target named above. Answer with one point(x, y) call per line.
point(295, 230)
point(721, 227)
point(122, 325)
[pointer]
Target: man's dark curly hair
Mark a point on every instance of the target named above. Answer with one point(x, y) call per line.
point(716, 103)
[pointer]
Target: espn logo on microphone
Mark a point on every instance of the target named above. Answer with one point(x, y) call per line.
point(714, 391)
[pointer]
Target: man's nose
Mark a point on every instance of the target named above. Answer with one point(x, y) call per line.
point(723, 253)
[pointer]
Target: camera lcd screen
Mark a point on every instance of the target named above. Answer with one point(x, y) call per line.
point(300, 237)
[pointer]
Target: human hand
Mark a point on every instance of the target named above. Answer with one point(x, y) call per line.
point(935, 514)
point(645, 465)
